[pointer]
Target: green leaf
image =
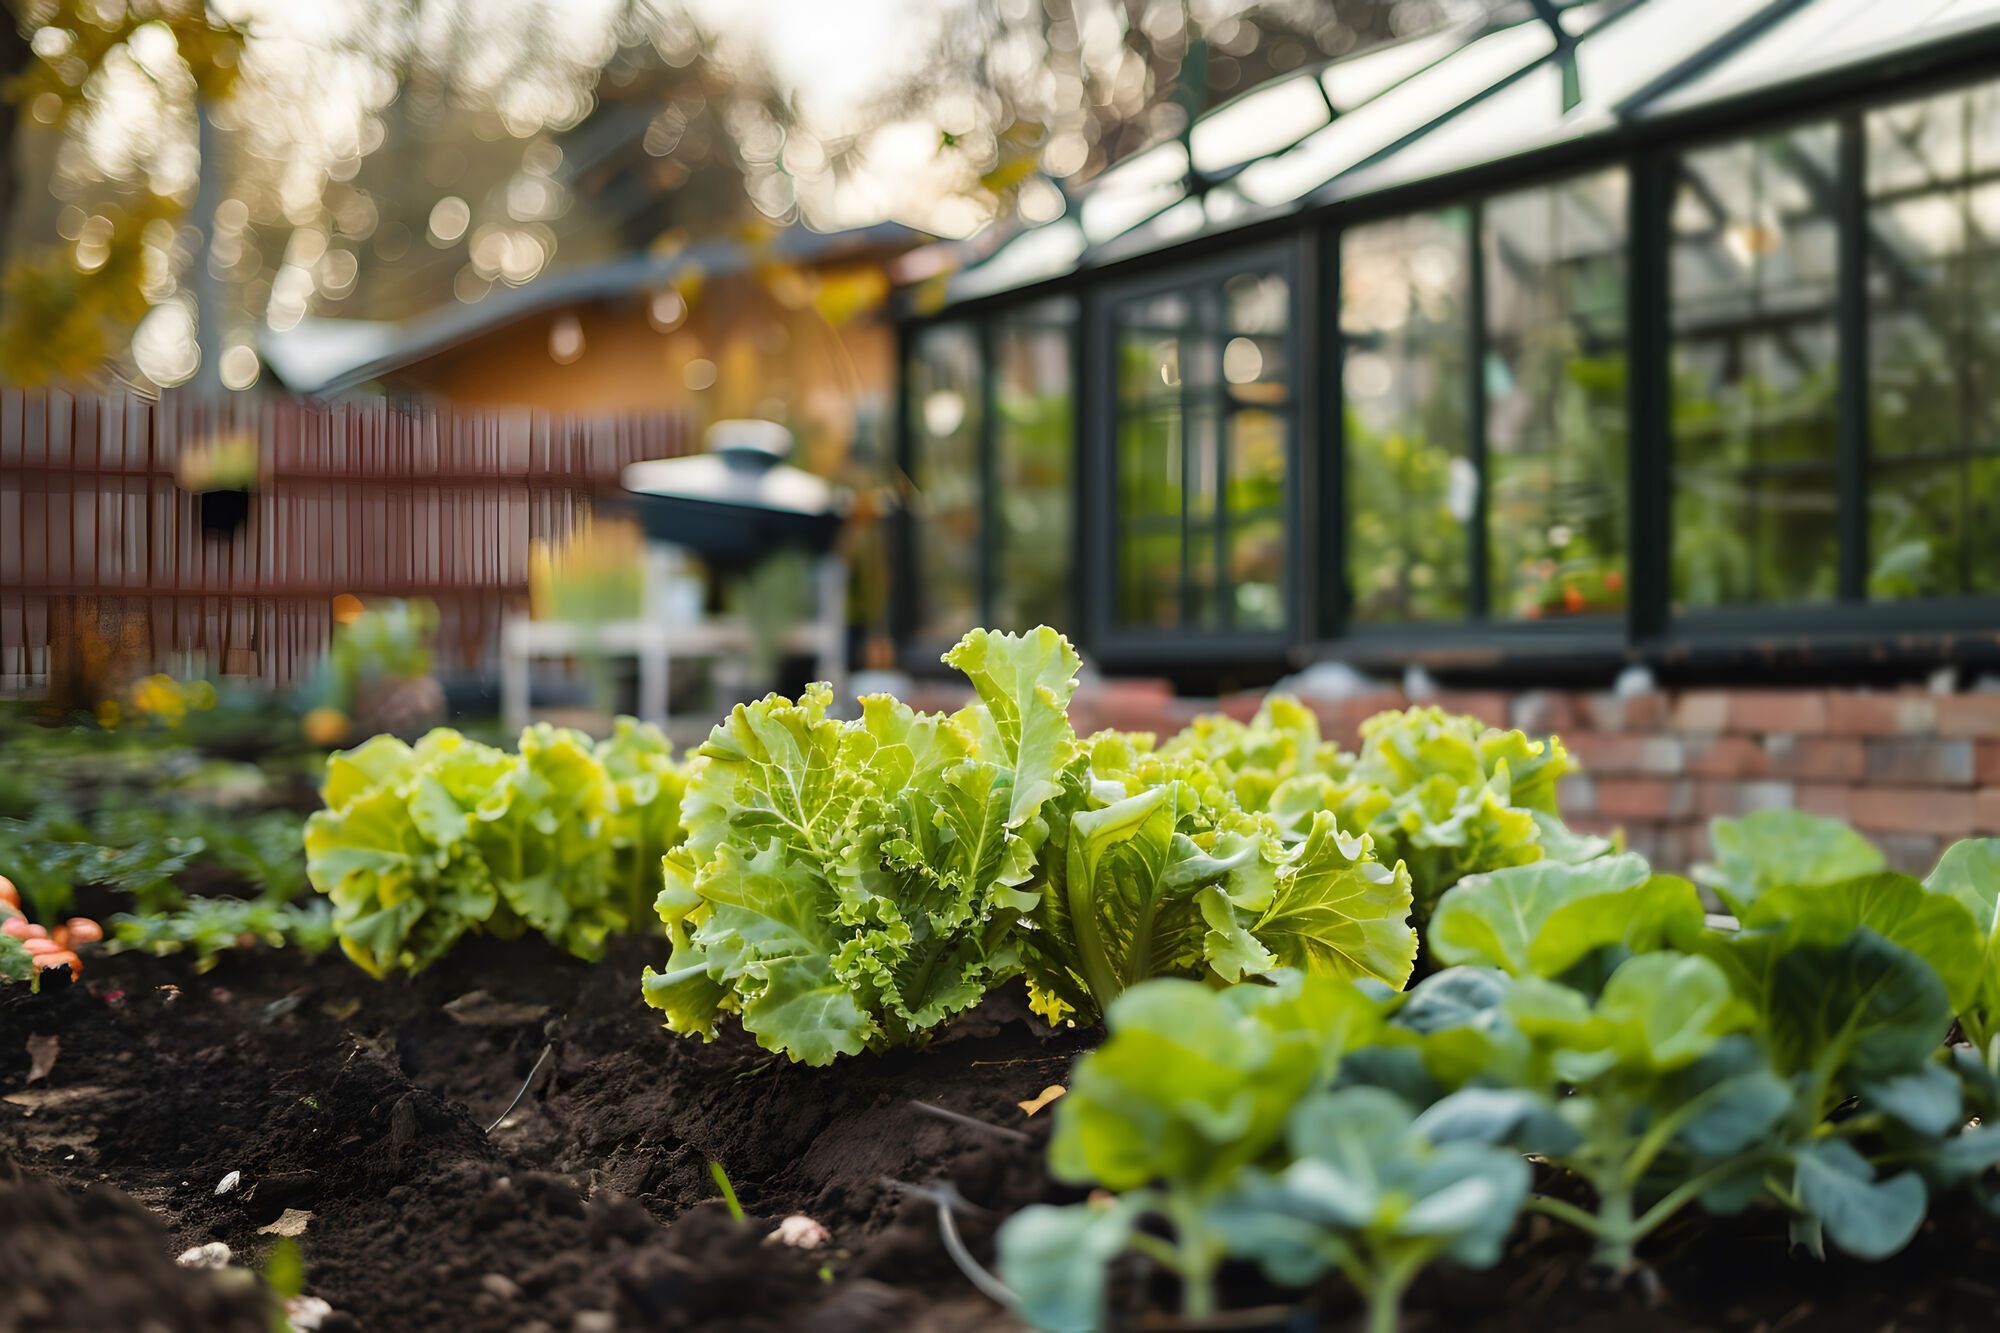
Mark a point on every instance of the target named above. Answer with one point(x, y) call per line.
point(1867, 1217)
point(1667, 1010)
point(1542, 917)
point(16, 963)
point(768, 935)
point(1024, 683)
point(1862, 1006)
point(1769, 848)
point(1932, 926)
point(1926, 1099)
point(1054, 1260)
point(1969, 874)
point(1336, 911)
point(1192, 1083)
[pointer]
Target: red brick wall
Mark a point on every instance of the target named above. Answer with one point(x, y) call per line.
point(1914, 771)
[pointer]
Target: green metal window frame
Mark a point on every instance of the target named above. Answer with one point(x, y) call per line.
point(1851, 632)
point(906, 604)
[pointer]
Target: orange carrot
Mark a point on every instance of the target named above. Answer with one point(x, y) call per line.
point(41, 946)
point(82, 930)
point(19, 927)
point(61, 958)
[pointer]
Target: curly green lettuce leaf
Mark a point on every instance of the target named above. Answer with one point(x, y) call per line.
point(643, 821)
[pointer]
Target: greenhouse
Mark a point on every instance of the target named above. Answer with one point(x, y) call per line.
point(1643, 331)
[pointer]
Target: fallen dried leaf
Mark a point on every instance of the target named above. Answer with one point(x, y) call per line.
point(42, 1052)
point(292, 1222)
point(1041, 1099)
point(31, 1100)
point(228, 1183)
point(479, 1009)
point(341, 1010)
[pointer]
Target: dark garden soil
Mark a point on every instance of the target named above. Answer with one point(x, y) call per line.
point(591, 1206)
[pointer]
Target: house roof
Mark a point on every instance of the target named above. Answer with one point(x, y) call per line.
point(331, 355)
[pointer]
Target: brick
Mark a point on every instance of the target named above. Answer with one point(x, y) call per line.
point(1489, 706)
point(1643, 798)
point(1855, 713)
point(1726, 757)
point(1832, 800)
point(1701, 713)
point(1622, 712)
point(1986, 810)
point(1948, 814)
point(1986, 764)
point(1607, 753)
point(1717, 796)
point(1974, 715)
point(1544, 713)
point(1242, 707)
point(1576, 795)
point(1817, 758)
point(1905, 761)
point(1758, 712)
point(1911, 853)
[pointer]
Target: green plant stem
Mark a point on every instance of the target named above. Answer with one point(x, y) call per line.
point(1197, 1257)
point(1385, 1300)
point(1579, 1218)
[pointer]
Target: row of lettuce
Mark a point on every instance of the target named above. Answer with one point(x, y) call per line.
point(843, 885)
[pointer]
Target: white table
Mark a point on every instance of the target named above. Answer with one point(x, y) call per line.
point(655, 643)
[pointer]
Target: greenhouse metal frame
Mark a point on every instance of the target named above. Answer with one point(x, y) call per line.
point(1655, 101)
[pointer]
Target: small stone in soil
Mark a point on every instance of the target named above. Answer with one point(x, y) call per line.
point(499, 1284)
point(228, 1183)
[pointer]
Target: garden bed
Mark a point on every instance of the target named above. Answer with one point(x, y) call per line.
point(592, 1206)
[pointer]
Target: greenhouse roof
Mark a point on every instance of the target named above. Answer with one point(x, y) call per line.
point(1457, 99)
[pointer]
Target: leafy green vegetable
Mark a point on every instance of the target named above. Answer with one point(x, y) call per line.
point(643, 821)
point(1368, 1192)
point(419, 844)
point(211, 926)
point(16, 963)
point(1542, 918)
point(849, 885)
point(1191, 1085)
point(1768, 848)
point(1969, 874)
point(1450, 796)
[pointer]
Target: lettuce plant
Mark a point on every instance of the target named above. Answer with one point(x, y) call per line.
point(849, 885)
point(1278, 751)
point(1450, 796)
point(1159, 884)
point(643, 817)
point(419, 844)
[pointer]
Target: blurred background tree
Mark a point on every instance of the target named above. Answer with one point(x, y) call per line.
point(375, 159)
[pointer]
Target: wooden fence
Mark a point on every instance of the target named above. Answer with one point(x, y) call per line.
point(100, 542)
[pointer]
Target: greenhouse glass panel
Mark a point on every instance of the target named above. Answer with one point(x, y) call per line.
point(1753, 273)
point(1034, 436)
point(1934, 354)
point(1410, 483)
point(944, 413)
point(1555, 374)
point(1203, 444)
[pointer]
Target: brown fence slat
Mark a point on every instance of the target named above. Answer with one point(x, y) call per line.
point(369, 498)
